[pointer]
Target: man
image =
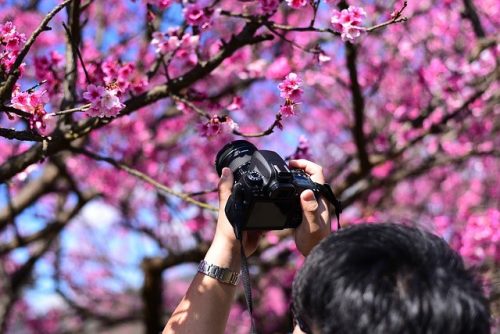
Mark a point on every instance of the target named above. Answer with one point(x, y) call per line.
point(366, 279)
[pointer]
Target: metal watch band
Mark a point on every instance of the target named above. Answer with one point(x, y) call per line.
point(223, 275)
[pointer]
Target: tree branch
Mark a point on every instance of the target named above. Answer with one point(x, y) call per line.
point(60, 142)
point(144, 178)
point(358, 105)
point(470, 13)
point(6, 89)
point(29, 194)
point(20, 135)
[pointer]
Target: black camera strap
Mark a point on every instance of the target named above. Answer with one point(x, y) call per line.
point(245, 274)
point(326, 191)
point(247, 287)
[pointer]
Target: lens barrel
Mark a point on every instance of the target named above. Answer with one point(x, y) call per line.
point(234, 155)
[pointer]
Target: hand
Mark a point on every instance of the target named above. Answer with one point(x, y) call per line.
point(224, 233)
point(316, 220)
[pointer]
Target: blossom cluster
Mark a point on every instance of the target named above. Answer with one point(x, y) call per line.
point(217, 125)
point(197, 16)
point(106, 92)
point(32, 102)
point(291, 91)
point(184, 45)
point(481, 238)
point(11, 42)
point(348, 22)
point(269, 6)
point(104, 101)
point(296, 3)
point(122, 75)
point(47, 69)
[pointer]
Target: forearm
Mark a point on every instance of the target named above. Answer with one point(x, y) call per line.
point(206, 305)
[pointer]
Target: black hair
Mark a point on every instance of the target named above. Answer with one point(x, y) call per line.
point(388, 279)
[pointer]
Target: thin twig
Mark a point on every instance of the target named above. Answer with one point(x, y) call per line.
point(298, 46)
point(396, 18)
point(32, 89)
point(145, 178)
point(78, 53)
point(268, 131)
point(191, 105)
point(70, 111)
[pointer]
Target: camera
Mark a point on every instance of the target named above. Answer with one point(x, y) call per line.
point(266, 192)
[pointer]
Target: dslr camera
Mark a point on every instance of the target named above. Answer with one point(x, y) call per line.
point(266, 192)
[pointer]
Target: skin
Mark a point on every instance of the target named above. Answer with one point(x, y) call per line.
point(206, 305)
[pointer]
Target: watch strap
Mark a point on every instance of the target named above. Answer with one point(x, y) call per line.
point(224, 275)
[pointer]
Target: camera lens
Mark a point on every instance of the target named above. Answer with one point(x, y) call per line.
point(234, 155)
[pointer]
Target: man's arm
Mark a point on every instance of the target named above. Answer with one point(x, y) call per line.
point(206, 305)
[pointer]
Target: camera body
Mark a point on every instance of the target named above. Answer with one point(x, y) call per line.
point(266, 192)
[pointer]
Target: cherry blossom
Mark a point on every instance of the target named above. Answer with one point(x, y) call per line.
point(403, 123)
point(104, 101)
point(196, 15)
point(348, 22)
point(290, 88)
point(297, 3)
point(269, 6)
point(11, 42)
point(163, 43)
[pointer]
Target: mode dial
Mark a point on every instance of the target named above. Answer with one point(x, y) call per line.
point(254, 179)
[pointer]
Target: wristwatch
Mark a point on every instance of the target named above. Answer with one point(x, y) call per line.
point(224, 275)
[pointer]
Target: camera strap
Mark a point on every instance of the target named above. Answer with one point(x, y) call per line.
point(326, 191)
point(247, 287)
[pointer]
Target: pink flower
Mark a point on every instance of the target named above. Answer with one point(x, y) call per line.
point(28, 101)
point(481, 237)
point(287, 109)
point(20, 100)
point(217, 125)
point(211, 128)
point(296, 3)
point(236, 104)
point(196, 16)
point(93, 93)
point(104, 101)
point(269, 6)
point(111, 102)
point(290, 87)
point(163, 43)
point(11, 43)
point(347, 22)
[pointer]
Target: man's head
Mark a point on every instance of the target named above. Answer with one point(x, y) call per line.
point(388, 279)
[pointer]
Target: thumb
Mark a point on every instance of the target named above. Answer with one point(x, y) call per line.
point(309, 205)
point(225, 184)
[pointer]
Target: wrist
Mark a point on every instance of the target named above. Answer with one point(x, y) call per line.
point(225, 253)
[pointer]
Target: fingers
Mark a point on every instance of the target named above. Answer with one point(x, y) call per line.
point(309, 206)
point(225, 185)
point(314, 170)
